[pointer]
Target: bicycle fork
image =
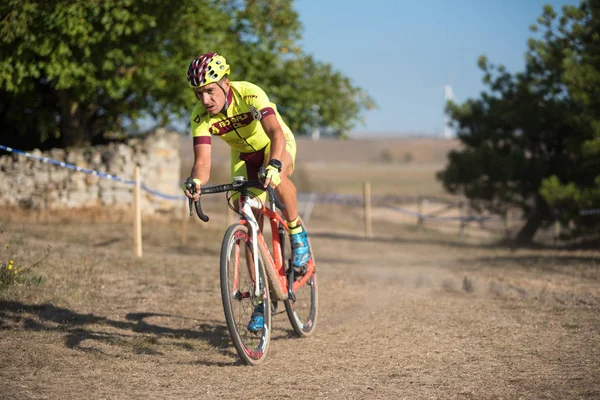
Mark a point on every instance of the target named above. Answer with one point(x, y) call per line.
point(246, 211)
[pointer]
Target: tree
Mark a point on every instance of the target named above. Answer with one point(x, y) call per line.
point(80, 68)
point(313, 95)
point(577, 188)
point(73, 71)
point(532, 140)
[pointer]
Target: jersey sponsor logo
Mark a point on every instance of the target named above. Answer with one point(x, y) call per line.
point(235, 122)
point(267, 111)
point(256, 115)
point(199, 117)
point(250, 96)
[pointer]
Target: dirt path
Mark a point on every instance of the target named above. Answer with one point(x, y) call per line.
point(405, 315)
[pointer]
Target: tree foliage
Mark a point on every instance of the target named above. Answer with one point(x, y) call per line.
point(533, 140)
point(72, 71)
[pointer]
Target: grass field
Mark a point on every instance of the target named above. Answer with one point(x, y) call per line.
point(343, 166)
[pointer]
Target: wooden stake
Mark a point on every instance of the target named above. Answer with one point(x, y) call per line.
point(462, 215)
point(137, 207)
point(368, 219)
point(420, 202)
point(507, 222)
point(230, 217)
point(184, 223)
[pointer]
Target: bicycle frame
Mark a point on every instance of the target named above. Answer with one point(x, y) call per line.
point(281, 287)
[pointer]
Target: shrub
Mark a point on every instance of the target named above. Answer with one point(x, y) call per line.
point(13, 268)
point(387, 156)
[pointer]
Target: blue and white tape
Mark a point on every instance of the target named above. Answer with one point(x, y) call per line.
point(590, 211)
point(90, 171)
point(436, 217)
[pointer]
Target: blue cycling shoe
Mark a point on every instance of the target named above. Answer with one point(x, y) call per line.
point(300, 249)
point(257, 321)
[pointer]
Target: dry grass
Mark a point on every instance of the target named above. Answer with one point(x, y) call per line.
point(411, 313)
point(408, 314)
point(343, 166)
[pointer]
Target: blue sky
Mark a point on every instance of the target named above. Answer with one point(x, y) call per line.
point(404, 52)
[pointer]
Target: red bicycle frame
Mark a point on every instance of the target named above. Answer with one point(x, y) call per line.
point(274, 263)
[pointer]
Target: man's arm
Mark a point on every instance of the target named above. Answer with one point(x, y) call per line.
point(273, 130)
point(202, 158)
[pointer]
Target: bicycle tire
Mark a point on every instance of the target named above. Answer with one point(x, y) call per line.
point(302, 312)
point(237, 288)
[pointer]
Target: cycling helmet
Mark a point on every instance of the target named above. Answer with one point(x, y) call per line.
point(207, 68)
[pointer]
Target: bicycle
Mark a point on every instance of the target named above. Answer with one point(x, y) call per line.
point(247, 280)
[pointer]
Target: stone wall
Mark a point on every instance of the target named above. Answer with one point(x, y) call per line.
point(34, 184)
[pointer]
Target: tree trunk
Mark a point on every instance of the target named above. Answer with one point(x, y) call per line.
point(72, 131)
point(526, 234)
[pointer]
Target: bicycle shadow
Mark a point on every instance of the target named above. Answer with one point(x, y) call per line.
point(81, 328)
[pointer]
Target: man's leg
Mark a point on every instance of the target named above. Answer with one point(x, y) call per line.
point(287, 193)
point(286, 190)
point(240, 167)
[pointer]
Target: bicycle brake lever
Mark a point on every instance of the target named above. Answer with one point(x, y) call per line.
point(274, 198)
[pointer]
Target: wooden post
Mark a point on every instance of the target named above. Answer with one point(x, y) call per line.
point(420, 212)
point(184, 223)
point(462, 215)
point(368, 220)
point(310, 203)
point(137, 207)
point(507, 218)
point(230, 217)
point(556, 233)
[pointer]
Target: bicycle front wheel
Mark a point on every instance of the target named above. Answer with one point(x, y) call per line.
point(239, 283)
point(302, 311)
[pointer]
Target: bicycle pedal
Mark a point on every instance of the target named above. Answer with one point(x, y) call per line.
point(275, 308)
point(300, 271)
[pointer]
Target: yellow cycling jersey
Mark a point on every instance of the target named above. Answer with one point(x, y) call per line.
point(240, 127)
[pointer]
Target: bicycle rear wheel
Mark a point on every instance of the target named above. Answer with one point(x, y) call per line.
point(302, 311)
point(239, 297)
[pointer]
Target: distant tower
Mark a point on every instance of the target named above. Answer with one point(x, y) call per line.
point(448, 95)
point(316, 133)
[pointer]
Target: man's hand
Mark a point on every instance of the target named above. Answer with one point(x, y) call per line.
point(196, 195)
point(273, 177)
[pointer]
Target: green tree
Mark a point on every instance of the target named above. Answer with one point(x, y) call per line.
point(576, 188)
point(82, 68)
point(532, 140)
point(73, 71)
point(312, 95)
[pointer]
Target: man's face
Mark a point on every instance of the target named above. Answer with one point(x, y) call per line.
point(212, 97)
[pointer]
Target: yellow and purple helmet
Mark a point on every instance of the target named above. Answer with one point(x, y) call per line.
point(207, 68)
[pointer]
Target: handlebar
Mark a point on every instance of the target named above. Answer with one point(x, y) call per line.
point(237, 185)
point(191, 187)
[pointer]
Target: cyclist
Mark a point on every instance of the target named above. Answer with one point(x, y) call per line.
point(241, 114)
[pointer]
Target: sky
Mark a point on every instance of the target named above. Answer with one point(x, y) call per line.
point(402, 52)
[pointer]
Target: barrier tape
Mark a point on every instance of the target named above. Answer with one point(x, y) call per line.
point(90, 172)
point(590, 211)
point(331, 198)
point(468, 218)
